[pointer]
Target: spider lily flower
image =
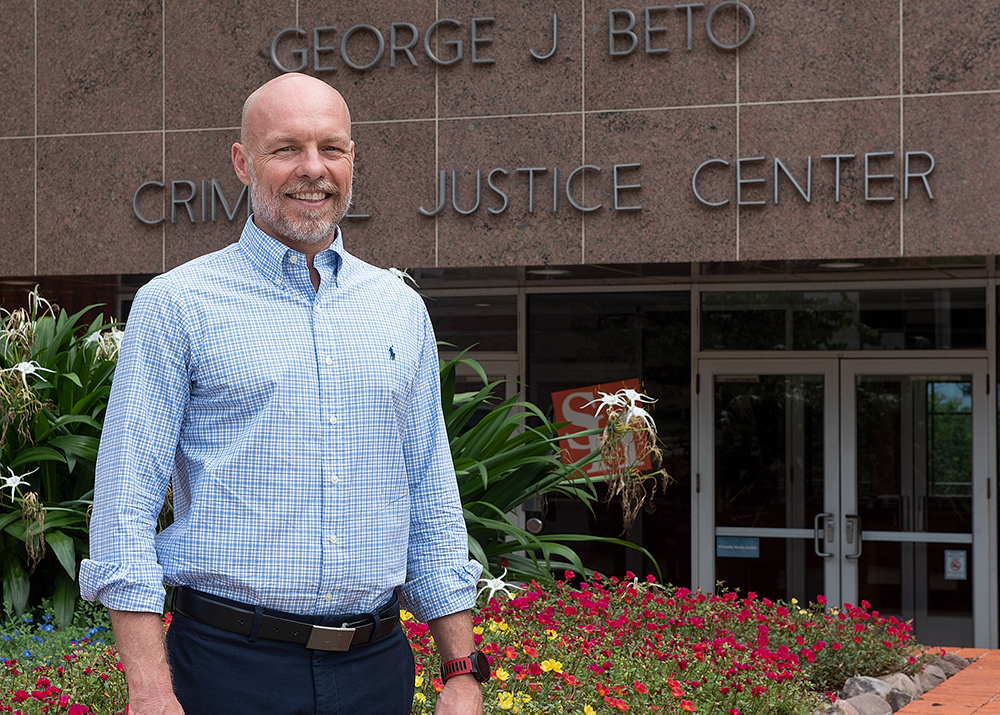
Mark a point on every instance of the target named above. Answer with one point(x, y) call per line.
point(27, 368)
point(636, 397)
point(609, 401)
point(496, 584)
point(16, 480)
point(636, 411)
point(403, 276)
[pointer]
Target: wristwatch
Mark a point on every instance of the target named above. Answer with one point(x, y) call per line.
point(476, 665)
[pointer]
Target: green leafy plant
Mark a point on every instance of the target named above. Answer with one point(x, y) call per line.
point(505, 453)
point(55, 377)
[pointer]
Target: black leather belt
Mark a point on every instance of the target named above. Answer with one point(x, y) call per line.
point(239, 618)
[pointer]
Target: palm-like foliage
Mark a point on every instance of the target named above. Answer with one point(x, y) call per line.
point(55, 378)
point(501, 462)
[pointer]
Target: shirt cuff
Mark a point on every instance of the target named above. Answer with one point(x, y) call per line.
point(442, 593)
point(123, 587)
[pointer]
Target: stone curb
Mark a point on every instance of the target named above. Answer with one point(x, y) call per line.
point(887, 694)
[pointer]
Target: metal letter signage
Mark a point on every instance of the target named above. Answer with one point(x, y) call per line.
point(746, 176)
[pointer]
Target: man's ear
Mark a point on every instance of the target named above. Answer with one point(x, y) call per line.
point(240, 160)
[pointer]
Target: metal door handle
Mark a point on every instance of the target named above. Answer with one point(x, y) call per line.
point(827, 527)
point(852, 534)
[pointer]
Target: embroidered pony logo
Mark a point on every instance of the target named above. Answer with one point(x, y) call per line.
point(392, 353)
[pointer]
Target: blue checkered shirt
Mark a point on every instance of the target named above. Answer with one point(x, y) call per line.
point(303, 434)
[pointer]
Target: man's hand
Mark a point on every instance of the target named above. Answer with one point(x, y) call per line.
point(139, 637)
point(462, 695)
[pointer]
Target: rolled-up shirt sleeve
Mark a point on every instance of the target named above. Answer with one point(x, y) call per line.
point(146, 409)
point(441, 579)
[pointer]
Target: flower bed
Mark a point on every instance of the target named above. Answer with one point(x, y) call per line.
point(612, 645)
point(602, 646)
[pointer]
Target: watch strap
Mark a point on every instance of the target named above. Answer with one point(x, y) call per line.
point(456, 666)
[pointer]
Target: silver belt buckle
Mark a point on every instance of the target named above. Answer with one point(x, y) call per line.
point(330, 638)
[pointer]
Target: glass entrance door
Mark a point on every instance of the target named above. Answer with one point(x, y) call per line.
point(914, 493)
point(857, 479)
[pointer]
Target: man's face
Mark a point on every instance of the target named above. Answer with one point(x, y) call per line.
point(299, 166)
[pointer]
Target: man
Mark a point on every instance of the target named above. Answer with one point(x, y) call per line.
point(290, 392)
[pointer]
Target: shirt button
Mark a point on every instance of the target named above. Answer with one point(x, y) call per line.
point(329, 361)
point(277, 281)
point(328, 597)
point(333, 539)
point(334, 479)
point(293, 258)
point(317, 309)
point(333, 420)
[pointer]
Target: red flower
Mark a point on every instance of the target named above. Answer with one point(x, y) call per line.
point(79, 710)
point(821, 600)
point(688, 706)
point(641, 687)
point(20, 696)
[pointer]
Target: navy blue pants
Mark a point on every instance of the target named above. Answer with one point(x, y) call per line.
point(215, 671)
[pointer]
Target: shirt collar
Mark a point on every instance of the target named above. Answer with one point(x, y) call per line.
point(267, 254)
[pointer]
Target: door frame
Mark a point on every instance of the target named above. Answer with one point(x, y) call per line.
point(838, 456)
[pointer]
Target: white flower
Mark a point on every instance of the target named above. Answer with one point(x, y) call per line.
point(496, 584)
point(16, 480)
point(606, 400)
point(634, 396)
point(403, 276)
point(27, 368)
point(636, 411)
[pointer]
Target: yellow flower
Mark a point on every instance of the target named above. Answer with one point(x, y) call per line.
point(404, 615)
point(795, 600)
point(418, 681)
point(420, 697)
point(587, 710)
point(502, 675)
point(551, 634)
point(551, 665)
point(478, 630)
point(505, 701)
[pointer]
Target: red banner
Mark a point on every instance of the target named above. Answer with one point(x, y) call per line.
point(571, 406)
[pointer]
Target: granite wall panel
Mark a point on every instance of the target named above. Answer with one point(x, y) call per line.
point(393, 175)
point(383, 92)
point(17, 210)
point(951, 47)
point(99, 66)
point(703, 74)
point(17, 67)
point(217, 53)
point(815, 78)
point(514, 82)
point(198, 157)
point(85, 219)
point(672, 224)
point(963, 218)
point(823, 227)
point(830, 48)
point(525, 232)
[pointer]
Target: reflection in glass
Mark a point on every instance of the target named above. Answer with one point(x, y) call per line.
point(915, 453)
point(769, 473)
point(914, 469)
point(912, 319)
point(576, 340)
point(768, 450)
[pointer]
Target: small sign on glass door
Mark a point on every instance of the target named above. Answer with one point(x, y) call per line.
point(955, 565)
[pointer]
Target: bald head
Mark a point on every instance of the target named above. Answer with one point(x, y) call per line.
point(296, 155)
point(290, 93)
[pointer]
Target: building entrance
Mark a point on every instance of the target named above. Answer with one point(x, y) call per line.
point(859, 479)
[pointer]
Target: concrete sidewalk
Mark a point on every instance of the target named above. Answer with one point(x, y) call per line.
point(975, 689)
